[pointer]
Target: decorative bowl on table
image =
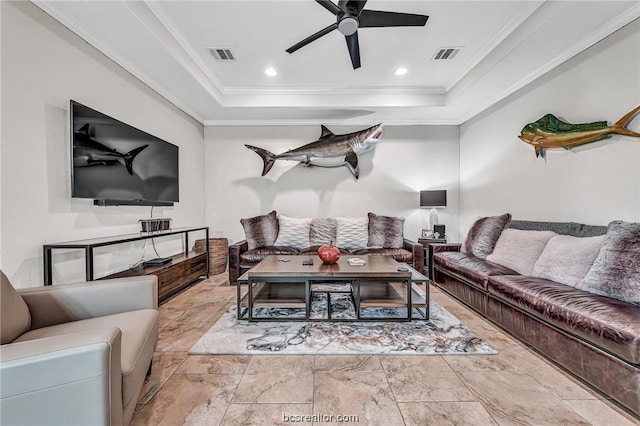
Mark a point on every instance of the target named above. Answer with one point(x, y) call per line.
point(329, 254)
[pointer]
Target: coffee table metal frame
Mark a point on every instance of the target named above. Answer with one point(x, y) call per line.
point(325, 274)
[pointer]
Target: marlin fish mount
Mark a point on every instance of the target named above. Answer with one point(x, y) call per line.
point(551, 132)
point(329, 151)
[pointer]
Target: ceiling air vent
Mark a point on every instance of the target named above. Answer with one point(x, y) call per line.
point(222, 54)
point(445, 53)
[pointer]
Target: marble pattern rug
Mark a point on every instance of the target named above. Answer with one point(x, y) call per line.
point(441, 334)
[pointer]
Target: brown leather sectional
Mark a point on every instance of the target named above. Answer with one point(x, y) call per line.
point(241, 259)
point(594, 337)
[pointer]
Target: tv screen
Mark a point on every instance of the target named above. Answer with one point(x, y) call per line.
point(115, 163)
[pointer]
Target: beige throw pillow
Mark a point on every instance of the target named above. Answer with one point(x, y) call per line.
point(567, 259)
point(322, 232)
point(519, 250)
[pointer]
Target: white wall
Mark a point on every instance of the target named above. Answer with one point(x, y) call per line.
point(592, 184)
point(43, 66)
point(407, 160)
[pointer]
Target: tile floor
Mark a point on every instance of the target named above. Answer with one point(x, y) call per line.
point(515, 387)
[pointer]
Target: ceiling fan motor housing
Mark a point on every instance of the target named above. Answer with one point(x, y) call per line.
point(348, 25)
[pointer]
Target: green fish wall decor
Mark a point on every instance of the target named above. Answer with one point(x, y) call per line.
point(551, 132)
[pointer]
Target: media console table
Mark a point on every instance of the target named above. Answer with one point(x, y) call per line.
point(183, 269)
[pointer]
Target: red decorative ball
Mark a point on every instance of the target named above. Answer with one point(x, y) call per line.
point(329, 254)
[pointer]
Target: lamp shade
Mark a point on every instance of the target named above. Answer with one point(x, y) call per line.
point(433, 199)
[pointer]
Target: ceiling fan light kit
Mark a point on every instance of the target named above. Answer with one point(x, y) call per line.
point(350, 15)
point(348, 26)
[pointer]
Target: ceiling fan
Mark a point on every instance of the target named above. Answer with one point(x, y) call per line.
point(350, 16)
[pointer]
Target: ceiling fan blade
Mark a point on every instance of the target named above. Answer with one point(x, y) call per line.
point(355, 6)
point(313, 37)
point(354, 49)
point(329, 5)
point(379, 18)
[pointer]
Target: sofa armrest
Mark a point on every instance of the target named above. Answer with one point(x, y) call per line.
point(417, 252)
point(235, 250)
point(439, 247)
point(67, 379)
point(57, 304)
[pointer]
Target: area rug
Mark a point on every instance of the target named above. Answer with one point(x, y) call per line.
point(442, 334)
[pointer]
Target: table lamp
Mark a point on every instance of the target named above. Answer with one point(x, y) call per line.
point(436, 199)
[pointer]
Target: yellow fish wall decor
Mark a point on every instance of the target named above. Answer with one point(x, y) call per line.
point(551, 132)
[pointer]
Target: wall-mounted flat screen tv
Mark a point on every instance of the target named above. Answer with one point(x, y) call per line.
point(116, 164)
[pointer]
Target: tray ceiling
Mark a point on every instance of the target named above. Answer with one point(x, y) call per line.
point(504, 45)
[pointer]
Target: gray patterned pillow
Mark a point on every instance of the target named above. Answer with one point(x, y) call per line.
point(261, 231)
point(616, 271)
point(484, 234)
point(293, 232)
point(323, 232)
point(385, 231)
point(352, 233)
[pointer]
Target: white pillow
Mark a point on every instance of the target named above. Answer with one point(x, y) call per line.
point(519, 250)
point(352, 233)
point(567, 259)
point(293, 232)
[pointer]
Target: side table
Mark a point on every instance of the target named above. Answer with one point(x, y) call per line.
point(425, 244)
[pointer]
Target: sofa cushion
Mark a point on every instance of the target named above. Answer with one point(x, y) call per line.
point(471, 267)
point(261, 231)
point(616, 271)
point(352, 233)
point(251, 257)
point(385, 231)
point(139, 335)
point(567, 259)
point(16, 318)
point(293, 232)
point(519, 250)
point(608, 323)
point(322, 231)
point(484, 234)
point(398, 254)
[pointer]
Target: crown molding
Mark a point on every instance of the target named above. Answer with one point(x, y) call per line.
point(505, 32)
point(328, 122)
point(594, 37)
point(335, 90)
point(195, 65)
point(50, 8)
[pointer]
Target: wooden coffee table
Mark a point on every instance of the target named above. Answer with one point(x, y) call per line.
point(283, 282)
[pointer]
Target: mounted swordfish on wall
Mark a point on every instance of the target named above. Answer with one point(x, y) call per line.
point(551, 132)
point(329, 151)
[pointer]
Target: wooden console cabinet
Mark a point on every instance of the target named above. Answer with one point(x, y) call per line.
point(183, 270)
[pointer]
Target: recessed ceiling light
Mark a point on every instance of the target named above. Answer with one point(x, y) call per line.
point(401, 71)
point(271, 72)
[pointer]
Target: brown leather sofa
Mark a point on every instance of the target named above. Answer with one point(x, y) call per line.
point(596, 338)
point(241, 259)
